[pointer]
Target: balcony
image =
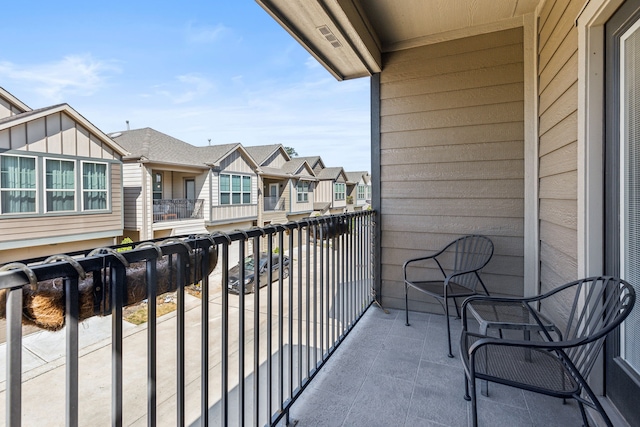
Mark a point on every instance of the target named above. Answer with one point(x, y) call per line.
point(232, 213)
point(308, 347)
point(177, 209)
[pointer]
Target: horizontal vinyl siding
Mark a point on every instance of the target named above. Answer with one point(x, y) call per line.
point(558, 105)
point(452, 157)
point(132, 178)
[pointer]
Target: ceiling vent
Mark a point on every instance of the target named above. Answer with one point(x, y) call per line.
point(327, 34)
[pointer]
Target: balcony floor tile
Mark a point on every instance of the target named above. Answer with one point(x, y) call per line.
point(386, 373)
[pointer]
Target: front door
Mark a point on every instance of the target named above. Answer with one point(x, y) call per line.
point(190, 189)
point(273, 191)
point(622, 198)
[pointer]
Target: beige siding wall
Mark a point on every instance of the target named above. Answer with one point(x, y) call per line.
point(55, 134)
point(452, 155)
point(16, 232)
point(235, 162)
point(276, 160)
point(301, 206)
point(324, 192)
point(558, 97)
point(7, 109)
point(133, 198)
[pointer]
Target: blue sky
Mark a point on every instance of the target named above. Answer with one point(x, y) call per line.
point(196, 70)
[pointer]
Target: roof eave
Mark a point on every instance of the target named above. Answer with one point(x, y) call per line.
point(358, 54)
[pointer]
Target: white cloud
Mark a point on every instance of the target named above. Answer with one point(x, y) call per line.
point(80, 75)
point(186, 88)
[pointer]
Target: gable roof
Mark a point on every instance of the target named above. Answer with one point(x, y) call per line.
point(4, 94)
point(158, 147)
point(61, 108)
point(154, 146)
point(261, 153)
point(331, 173)
point(313, 161)
point(355, 177)
point(296, 165)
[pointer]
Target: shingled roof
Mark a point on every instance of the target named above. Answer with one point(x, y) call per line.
point(354, 177)
point(159, 147)
point(261, 153)
point(330, 173)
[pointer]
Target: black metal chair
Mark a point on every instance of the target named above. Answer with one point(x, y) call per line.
point(553, 362)
point(460, 263)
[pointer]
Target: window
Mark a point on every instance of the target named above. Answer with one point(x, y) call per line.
point(17, 184)
point(94, 186)
point(157, 185)
point(362, 192)
point(303, 191)
point(339, 191)
point(60, 185)
point(235, 189)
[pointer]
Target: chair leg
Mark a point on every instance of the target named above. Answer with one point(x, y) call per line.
point(474, 401)
point(446, 314)
point(406, 305)
point(466, 387)
point(584, 414)
point(596, 405)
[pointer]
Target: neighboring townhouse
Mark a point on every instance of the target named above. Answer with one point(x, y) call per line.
point(315, 162)
point(358, 191)
point(60, 182)
point(518, 122)
point(331, 193)
point(174, 188)
point(287, 185)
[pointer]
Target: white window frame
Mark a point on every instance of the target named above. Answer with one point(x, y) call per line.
point(302, 189)
point(36, 210)
point(231, 192)
point(47, 190)
point(107, 185)
point(342, 192)
point(361, 193)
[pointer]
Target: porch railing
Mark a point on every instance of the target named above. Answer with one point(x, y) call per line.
point(177, 209)
point(235, 359)
point(273, 203)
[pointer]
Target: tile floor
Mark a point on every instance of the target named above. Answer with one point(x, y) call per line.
point(389, 374)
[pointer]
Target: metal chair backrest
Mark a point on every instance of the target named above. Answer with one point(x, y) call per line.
point(471, 252)
point(599, 304)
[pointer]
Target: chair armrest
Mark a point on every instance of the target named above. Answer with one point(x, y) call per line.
point(424, 258)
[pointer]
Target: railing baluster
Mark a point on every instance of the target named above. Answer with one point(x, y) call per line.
point(181, 279)
point(204, 351)
point(224, 366)
point(14, 357)
point(269, 327)
point(256, 335)
point(118, 281)
point(241, 338)
point(321, 284)
point(71, 326)
point(280, 322)
point(152, 345)
point(308, 286)
point(290, 323)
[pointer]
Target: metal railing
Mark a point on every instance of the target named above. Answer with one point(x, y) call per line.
point(273, 203)
point(250, 359)
point(177, 209)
